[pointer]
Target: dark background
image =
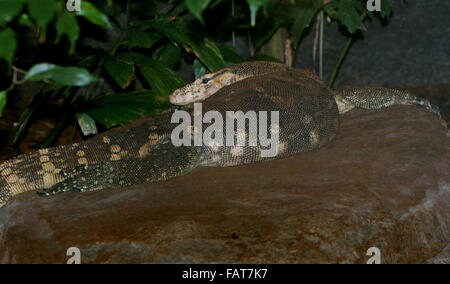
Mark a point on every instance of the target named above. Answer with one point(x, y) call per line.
point(412, 49)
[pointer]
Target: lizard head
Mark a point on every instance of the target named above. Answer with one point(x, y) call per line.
point(209, 84)
point(204, 87)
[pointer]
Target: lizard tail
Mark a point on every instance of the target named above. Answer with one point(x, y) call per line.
point(44, 168)
point(41, 169)
point(373, 98)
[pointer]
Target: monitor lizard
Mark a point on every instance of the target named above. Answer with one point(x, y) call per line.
point(308, 119)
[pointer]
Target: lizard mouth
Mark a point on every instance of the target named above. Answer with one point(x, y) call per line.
point(180, 97)
point(174, 97)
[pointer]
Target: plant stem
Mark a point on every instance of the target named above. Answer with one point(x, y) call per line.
point(342, 55)
point(233, 13)
point(55, 131)
point(321, 45)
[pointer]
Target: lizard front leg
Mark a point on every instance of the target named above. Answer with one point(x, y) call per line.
point(165, 161)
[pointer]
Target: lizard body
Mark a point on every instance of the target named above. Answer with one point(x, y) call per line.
point(308, 119)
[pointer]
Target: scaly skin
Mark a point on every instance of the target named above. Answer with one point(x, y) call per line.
point(297, 98)
point(347, 98)
point(309, 118)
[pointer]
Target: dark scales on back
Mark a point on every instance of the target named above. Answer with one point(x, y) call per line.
point(308, 119)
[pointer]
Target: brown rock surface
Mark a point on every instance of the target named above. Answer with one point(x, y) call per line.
point(383, 182)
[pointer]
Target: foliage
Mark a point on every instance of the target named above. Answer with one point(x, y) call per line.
point(116, 61)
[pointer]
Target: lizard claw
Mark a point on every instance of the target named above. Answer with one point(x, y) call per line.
point(73, 178)
point(427, 105)
point(56, 189)
point(74, 171)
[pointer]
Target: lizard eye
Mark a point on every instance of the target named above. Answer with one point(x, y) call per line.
point(206, 80)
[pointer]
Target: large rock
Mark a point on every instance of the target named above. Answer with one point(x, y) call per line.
point(383, 182)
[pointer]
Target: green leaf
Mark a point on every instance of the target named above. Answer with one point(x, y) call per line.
point(8, 10)
point(303, 15)
point(25, 20)
point(40, 71)
point(301, 22)
point(67, 76)
point(3, 97)
point(72, 76)
point(121, 72)
point(87, 124)
point(140, 38)
point(89, 61)
point(386, 8)
point(199, 69)
point(210, 56)
point(120, 109)
point(213, 47)
point(92, 14)
point(204, 49)
point(24, 123)
point(169, 55)
point(56, 129)
point(216, 3)
point(178, 9)
point(42, 12)
point(67, 25)
point(162, 79)
point(8, 45)
point(149, 7)
point(254, 6)
point(197, 7)
point(230, 55)
point(266, 29)
point(331, 8)
point(349, 16)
